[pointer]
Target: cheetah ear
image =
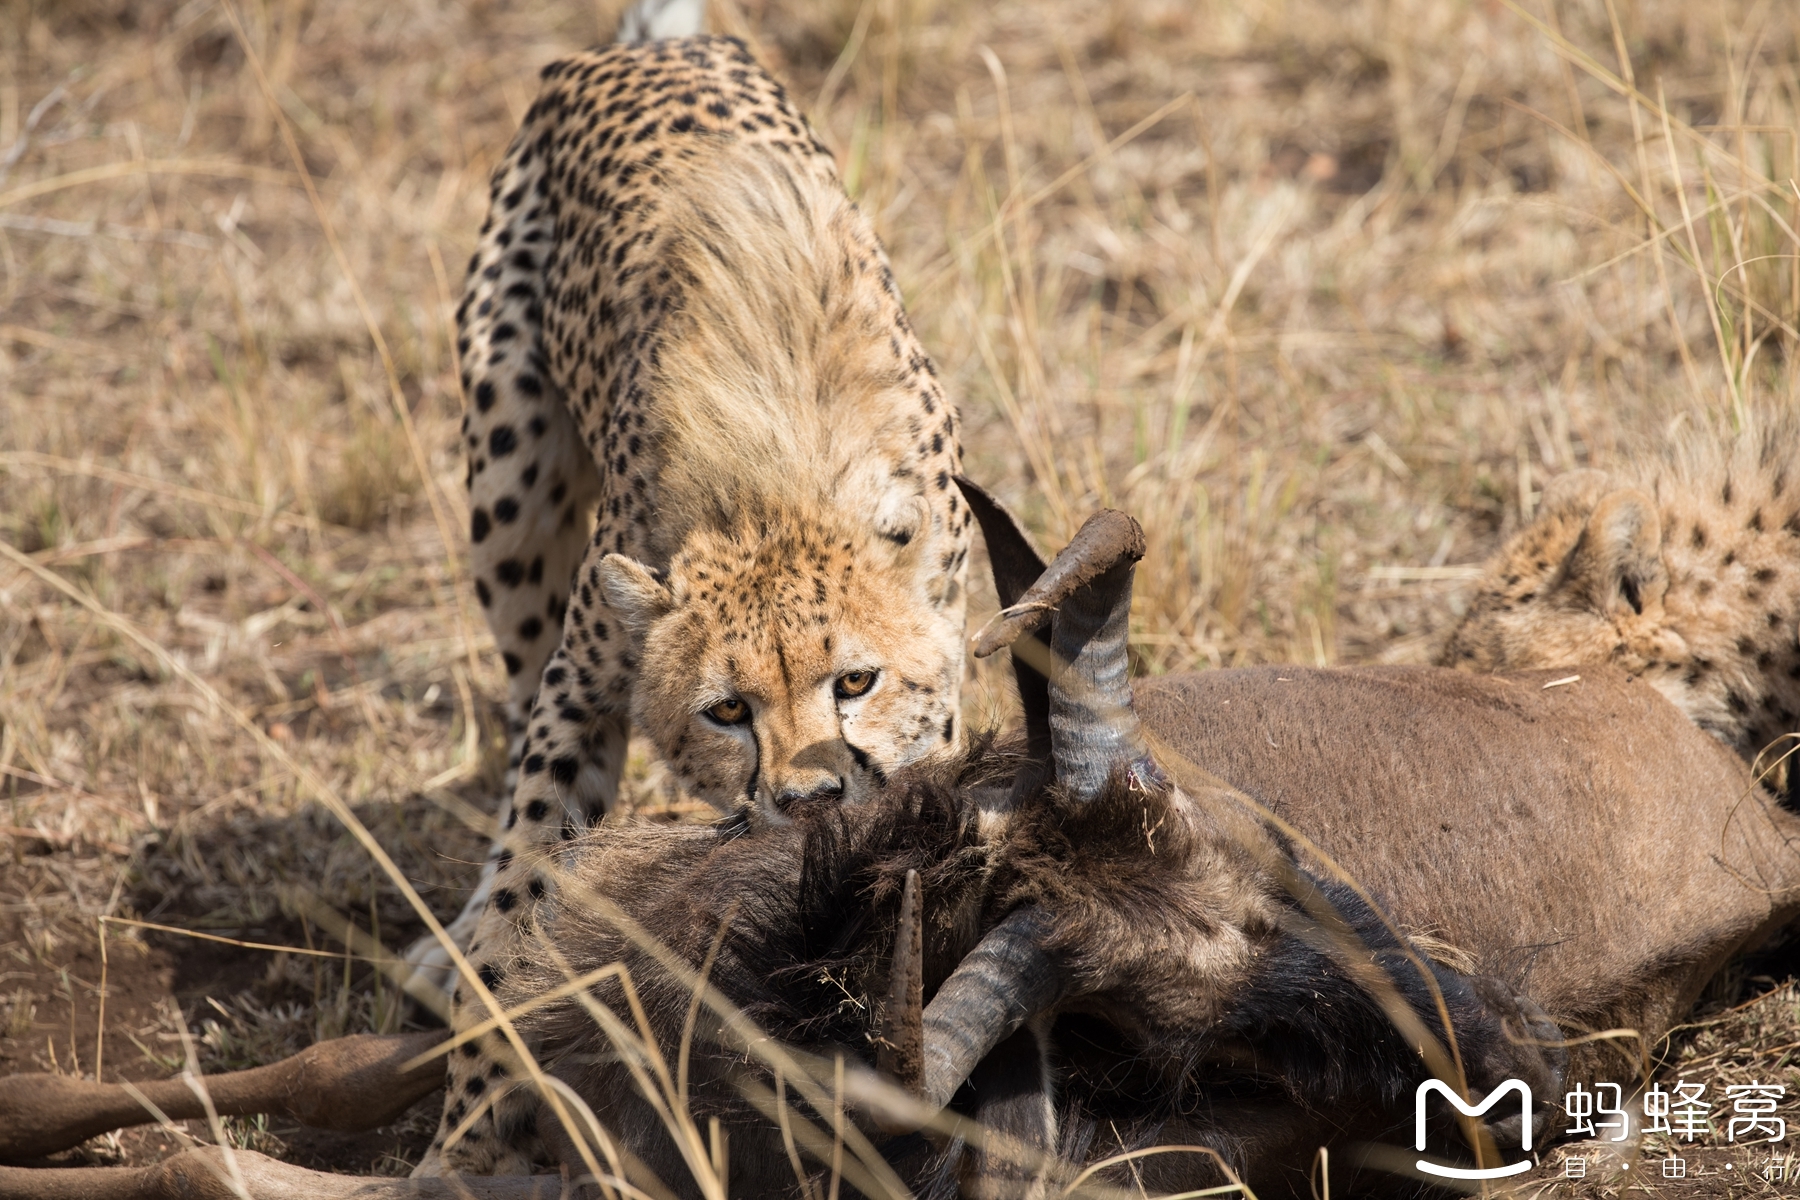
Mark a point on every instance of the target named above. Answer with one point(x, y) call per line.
point(1618, 560)
point(906, 528)
point(1575, 490)
point(635, 592)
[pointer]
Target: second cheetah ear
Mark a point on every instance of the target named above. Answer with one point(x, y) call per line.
point(1618, 560)
point(635, 592)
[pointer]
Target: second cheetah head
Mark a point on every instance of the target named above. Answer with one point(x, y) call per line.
point(1584, 582)
point(794, 660)
point(1688, 578)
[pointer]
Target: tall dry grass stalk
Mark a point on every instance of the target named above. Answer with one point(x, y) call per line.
point(1322, 292)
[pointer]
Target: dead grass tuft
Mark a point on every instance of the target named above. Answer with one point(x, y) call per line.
point(1321, 291)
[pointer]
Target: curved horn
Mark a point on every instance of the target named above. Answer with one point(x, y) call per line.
point(1005, 980)
point(1093, 728)
point(901, 1053)
point(1105, 540)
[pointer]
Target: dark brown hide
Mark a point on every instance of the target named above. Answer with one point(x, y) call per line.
point(1585, 844)
point(1582, 842)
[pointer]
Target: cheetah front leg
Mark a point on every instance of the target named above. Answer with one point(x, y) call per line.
point(532, 487)
point(522, 569)
point(572, 757)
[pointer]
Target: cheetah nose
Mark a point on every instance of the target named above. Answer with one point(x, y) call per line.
point(825, 793)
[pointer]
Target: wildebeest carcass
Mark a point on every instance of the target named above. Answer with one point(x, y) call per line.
point(1122, 950)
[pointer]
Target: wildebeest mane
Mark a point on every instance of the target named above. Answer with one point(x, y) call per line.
point(810, 909)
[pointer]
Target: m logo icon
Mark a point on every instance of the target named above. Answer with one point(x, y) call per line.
point(1476, 1110)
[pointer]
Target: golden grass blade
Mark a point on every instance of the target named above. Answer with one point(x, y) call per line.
point(845, 60)
point(1624, 85)
point(693, 1010)
point(741, 1032)
point(1687, 224)
point(401, 408)
point(580, 983)
point(327, 796)
point(219, 169)
point(1013, 212)
point(820, 1145)
point(1236, 1184)
point(302, 951)
point(69, 466)
point(196, 1083)
point(784, 1117)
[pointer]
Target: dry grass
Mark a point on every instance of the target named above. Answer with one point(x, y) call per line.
point(1375, 270)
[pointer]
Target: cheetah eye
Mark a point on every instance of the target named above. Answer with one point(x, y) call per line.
point(729, 712)
point(852, 684)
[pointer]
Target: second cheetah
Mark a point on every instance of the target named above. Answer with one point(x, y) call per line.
point(1685, 569)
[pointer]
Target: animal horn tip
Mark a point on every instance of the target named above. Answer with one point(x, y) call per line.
point(901, 1055)
point(1122, 530)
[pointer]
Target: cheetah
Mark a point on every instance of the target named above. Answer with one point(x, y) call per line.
point(1685, 570)
point(678, 321)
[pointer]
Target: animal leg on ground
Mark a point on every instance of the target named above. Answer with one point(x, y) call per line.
point(351, 1084)
point(206, 1173)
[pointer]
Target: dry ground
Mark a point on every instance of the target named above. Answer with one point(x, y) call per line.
point(1323, 290)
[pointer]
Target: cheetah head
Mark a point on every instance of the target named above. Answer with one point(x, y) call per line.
point(796, 660)
point(1583, 583)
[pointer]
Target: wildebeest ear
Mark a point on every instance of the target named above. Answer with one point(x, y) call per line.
point(1618, 560)
point(635, 592)
point(1016, 565)
point(1016, 562)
